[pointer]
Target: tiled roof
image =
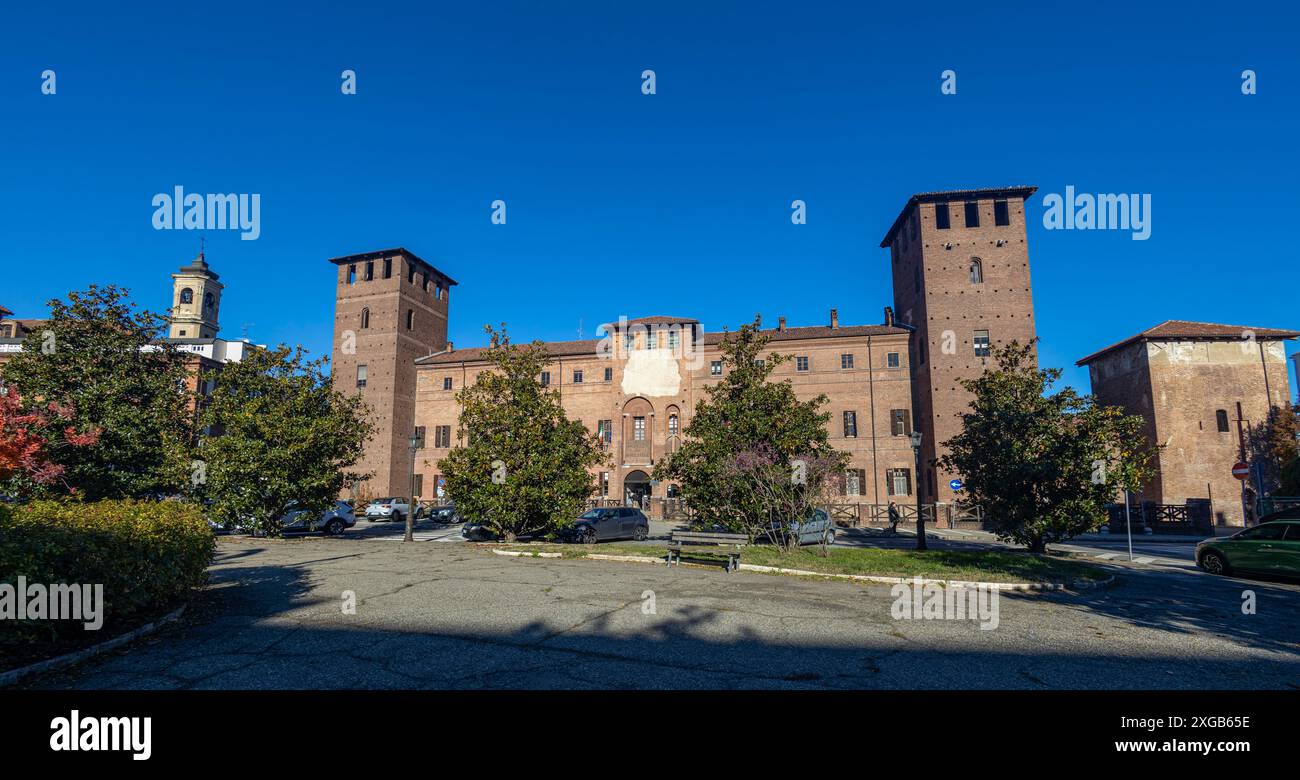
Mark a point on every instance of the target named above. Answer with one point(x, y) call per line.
point(589, 346)
point(1019, 191)
point(1184, 330)
point(4, 312)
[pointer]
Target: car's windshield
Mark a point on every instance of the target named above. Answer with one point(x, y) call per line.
point(593, 514)
point(386, 501)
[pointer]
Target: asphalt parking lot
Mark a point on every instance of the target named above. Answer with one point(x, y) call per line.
point(459, 616)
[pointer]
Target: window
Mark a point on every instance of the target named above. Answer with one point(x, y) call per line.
point(365, 318)
point(577, 377)
point(425, 284)
point(1221, 418)
point(604, 483)
point(898, 423)
point(410, 319)
point(638, 429)
point(437, 291)
point(801, 363)
point(187, 295)
point(209, 301)
point(605, 430)
point(1001, 215)
point(629, 342)
point(546, 379)
point(388, 267)
point(361, 375)
point(941, 220)
point(846, 360)
point(981, 343)
point(673, 424)
point(672, 339)
point(976, 271)
point(370, 270)
point(854, 479)
point(715, 368)
point(850, 425)
point(419, 486)
point(651, 340)
point(1268, 532)
point(352, 274)
point(410, 273)
point(446, 383)
point(898, 482)
point(891, 359)
point(419, 434)
point(442, 436)
point(609, 375)
point(972, 214)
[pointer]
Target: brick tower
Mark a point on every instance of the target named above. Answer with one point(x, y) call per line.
point(961, 280)
point(390, 307)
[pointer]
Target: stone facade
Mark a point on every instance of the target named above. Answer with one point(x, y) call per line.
point(640, 400)
point(390, 309)
point(1205, 392)
point(961, 279)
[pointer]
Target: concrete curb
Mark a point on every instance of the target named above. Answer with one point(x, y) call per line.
point(68, 659)
point(524, 554)
point(626, 558)
point(1019, 586)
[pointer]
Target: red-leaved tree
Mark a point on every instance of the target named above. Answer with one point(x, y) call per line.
point(30, 435)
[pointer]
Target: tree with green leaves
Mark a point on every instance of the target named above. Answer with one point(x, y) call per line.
point(1043, 464)
point(284, 438)
point(739, 463)
point(523, 467)
point(101, 363)
point(1281, 449)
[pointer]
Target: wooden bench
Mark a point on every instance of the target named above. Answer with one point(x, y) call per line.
point(682, 539)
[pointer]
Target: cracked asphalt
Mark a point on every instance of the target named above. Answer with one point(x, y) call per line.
point(445, 616)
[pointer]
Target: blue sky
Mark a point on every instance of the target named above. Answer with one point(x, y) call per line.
point(619, 203)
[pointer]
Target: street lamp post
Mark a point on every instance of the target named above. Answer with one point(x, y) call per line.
point(920, 513)
point(410, 507)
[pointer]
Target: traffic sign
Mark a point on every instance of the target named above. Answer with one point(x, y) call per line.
point(955, 484)
point(1240, 470)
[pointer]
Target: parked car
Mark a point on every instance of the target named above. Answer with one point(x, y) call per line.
point(477, 532)
point(814, 530)
point(388, 509)
point(1267, 548)
point(599, 525)
point(332, 521)
point(444, 514)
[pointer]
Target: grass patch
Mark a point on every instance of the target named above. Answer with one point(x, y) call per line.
point(987, 565)
point(990, 565)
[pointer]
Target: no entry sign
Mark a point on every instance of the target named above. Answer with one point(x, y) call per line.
point(1240, 470)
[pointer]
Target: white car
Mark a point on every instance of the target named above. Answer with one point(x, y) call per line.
point(388, 509)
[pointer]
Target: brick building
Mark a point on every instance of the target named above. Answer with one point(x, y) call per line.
point(390, 309)
point(961, 279)
point(639, 399)
point(1205, 391)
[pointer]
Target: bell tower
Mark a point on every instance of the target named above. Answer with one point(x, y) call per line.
point(196, 301)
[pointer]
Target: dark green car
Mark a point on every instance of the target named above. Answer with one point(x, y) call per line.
point(1268, 548)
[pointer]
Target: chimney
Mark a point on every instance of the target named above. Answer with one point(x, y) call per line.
point(889, 316)
point(835, 318)
point(780, 323)
point(450, 346)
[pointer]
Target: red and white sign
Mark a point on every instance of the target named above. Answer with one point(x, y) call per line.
point(1240, 470)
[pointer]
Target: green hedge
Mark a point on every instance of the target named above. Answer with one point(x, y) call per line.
point(148, 555)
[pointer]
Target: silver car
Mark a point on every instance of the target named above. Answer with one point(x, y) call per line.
point(332, 521)
point(816, 529)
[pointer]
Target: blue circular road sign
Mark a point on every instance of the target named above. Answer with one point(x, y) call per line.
point(955, 484)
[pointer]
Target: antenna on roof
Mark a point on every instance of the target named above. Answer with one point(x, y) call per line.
point(244, 329)
point(579, 329)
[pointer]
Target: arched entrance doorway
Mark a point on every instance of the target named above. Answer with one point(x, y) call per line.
point(636, 489)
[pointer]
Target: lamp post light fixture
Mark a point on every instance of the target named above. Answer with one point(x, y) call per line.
point(415, 443)
point(920, 513)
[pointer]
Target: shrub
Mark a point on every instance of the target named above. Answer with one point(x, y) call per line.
point(147, 555)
